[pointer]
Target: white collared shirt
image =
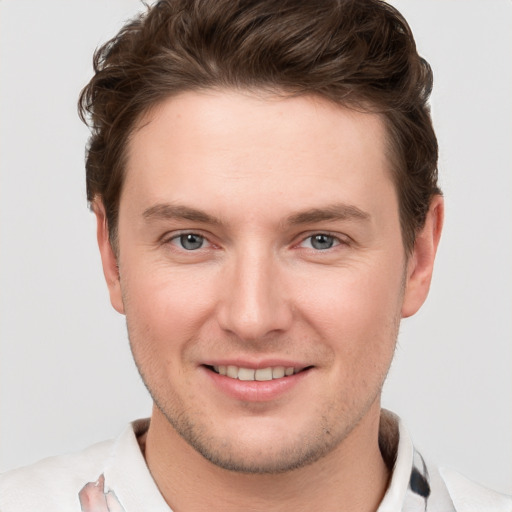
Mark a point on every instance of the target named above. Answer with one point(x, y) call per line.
point(112, 476)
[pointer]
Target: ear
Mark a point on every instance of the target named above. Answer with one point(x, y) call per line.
point(108, 257)
point(421, 262)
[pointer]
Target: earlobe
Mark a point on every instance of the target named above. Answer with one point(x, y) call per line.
point(108, 257)
point(421, 261)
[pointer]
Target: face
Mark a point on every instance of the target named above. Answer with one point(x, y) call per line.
point(262, 273)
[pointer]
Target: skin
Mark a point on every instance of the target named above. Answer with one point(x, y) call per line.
point(263, 175)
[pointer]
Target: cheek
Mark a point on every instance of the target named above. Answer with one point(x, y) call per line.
point(357, 310)
point(166, 305)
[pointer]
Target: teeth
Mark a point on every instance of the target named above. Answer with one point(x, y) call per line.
point(232, 371)
point(278, 372)
point(250, 374)
point(245, 374)
point(262, 374)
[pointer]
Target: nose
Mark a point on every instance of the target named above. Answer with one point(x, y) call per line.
point(255, 304)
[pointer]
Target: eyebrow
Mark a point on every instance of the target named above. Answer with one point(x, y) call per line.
point(167, 211)
point(338, 211)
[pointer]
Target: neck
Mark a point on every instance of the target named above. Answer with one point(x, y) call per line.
point(352, 477)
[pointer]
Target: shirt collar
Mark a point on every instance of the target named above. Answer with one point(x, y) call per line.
point(414, 487)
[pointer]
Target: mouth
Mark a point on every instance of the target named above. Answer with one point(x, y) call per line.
point(259, 374)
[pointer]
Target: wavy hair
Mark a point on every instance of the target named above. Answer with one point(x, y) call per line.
point(356, 53)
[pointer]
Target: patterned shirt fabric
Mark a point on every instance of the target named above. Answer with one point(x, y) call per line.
point(113, 477)
point(414, 487)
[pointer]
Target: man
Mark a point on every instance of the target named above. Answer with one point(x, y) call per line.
point(264, 180)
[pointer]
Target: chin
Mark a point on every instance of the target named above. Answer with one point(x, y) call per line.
point(258, 445)
point(263, 458)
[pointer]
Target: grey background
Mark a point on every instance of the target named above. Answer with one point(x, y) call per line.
point(66, 375)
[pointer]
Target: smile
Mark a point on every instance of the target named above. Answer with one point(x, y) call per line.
point(251, 374)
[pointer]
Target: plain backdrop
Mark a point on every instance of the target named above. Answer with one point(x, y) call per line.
point(66, 374)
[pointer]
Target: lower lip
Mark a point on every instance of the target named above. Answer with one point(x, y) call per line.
point(253, 390)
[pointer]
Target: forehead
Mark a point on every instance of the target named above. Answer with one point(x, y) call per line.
point(257, 149)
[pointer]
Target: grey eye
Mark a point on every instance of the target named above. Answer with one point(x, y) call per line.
point(322, 241)
point(191, 241)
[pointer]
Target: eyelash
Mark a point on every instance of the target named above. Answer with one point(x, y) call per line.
point(178, 239)
point(335, 239)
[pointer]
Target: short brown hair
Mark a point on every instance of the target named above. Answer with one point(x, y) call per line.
point(357, 53)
